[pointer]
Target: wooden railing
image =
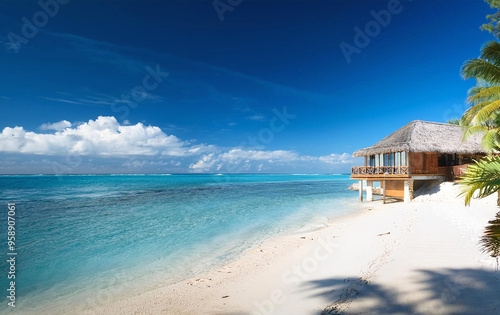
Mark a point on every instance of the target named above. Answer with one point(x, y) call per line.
point(379, 170)
point(453, 172)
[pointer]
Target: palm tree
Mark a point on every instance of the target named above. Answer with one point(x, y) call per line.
point(454, 121)
point(482, 178)
point(483, 117)
point(484, 114)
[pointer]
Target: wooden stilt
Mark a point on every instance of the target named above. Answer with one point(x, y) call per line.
point(383, 193)
point(361, 190)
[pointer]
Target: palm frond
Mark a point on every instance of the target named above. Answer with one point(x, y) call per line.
point(481, 179)
point(481, 94)
point(489, 142)
point(482, 69)
point(486, 113)
point(475, 90)
point(473, 130)
point(471, 112)
point(491, 52)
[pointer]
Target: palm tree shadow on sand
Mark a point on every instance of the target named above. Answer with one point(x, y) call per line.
point(445, 291)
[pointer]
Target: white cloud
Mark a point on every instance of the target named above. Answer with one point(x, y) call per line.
point(204, 164)
point(238, 160)
point(337, 158)
point(241, 160)
point(106, 138)
point(61, 125)
point(257, 155)
point(101, 137)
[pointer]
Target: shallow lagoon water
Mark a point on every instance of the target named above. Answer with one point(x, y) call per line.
point(88, 239)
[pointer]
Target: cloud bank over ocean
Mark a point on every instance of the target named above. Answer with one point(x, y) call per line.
point(140, 147)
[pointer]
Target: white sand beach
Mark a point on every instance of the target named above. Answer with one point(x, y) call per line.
point(416, 258)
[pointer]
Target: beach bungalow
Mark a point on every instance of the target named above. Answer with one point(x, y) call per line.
point(418, 152)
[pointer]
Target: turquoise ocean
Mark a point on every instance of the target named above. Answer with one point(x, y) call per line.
point(88, 239)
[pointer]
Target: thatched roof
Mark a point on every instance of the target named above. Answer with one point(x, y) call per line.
point(425, 136)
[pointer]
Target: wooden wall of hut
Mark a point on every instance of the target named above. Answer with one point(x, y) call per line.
point(424, 163)
point(394, 188)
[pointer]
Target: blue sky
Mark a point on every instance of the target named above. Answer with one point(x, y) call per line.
point(169, 87)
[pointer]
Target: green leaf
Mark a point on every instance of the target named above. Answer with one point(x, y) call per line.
point(491, 52)
point(482, 69)
point(472, 130)
point(485, 114)
point(481, 94)
point(481, 179)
